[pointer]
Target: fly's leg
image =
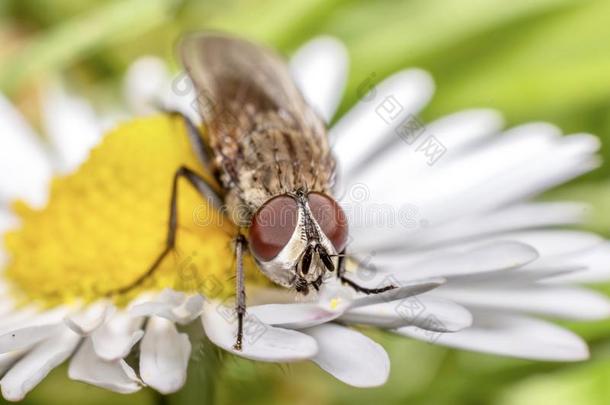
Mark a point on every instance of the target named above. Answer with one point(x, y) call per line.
point(318, 282)
point(205, 190)
point(355, 286)
point(240, 289)
point(200, 148)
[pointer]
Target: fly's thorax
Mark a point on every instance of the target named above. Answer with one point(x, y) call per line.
point(272, 156)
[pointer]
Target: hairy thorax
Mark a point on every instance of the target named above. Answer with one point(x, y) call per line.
point(262, 155)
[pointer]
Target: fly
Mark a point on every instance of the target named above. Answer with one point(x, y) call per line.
point(270, 153)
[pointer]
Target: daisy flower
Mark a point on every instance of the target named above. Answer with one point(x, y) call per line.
point(442, 210)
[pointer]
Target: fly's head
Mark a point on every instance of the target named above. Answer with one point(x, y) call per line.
point(296, 237)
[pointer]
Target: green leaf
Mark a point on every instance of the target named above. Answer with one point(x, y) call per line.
point(404, 33)
point(282, 24)
point(585, 384)
point(70, 41)
point(555, 65)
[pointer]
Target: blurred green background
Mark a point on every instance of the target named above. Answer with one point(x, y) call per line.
point(532, 60)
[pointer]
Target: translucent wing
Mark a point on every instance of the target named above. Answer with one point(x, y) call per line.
point(232, 74)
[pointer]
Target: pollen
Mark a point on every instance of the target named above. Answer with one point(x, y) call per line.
point(106, 223)
point(334, 303)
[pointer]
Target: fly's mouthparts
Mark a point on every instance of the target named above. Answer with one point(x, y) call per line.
point(326, 260)
point(318, 282)
point(306, 262)
point(301, 286)
point(308, 258)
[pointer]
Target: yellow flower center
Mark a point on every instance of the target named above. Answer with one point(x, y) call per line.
point(106, 223)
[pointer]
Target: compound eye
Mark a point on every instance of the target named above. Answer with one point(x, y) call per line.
point(331, 218)
point(272, 227)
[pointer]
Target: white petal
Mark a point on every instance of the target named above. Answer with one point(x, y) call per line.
point(72, 127)
point(501, 155)
point(465, 129)
point(294, 316)
point(319, 69)
point(595, 262)
point(115, 338)
point(425, 311)
point(337, 297)
point(145, 83)
point(484, 258)
point(403, 163)
point(25, 167)
point(526, 275)
point(518, 164)
point(561, 302)
point(370, 125)
point(36, 364)
point(475, 167)
point(261, 341)
point(561, 160)
point(510, 335)
point(22, 317)
point(8, 359)
point(172, 305)
point(24, 328)
point(181, 95)
point(116, 375)
point(350, 356)
point(521, 216)
point(405, 288)
point(27, 336)
point(148, 86)
point(6, 305)
point(556, 242)
point(91, 318)
point(164, 356)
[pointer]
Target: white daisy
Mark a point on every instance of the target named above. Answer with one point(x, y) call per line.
point(441, 209)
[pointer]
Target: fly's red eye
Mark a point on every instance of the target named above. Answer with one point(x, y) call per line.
point(272, 226)
point(331, 219)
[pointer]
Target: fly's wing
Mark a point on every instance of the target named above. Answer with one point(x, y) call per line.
point(231, 74)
